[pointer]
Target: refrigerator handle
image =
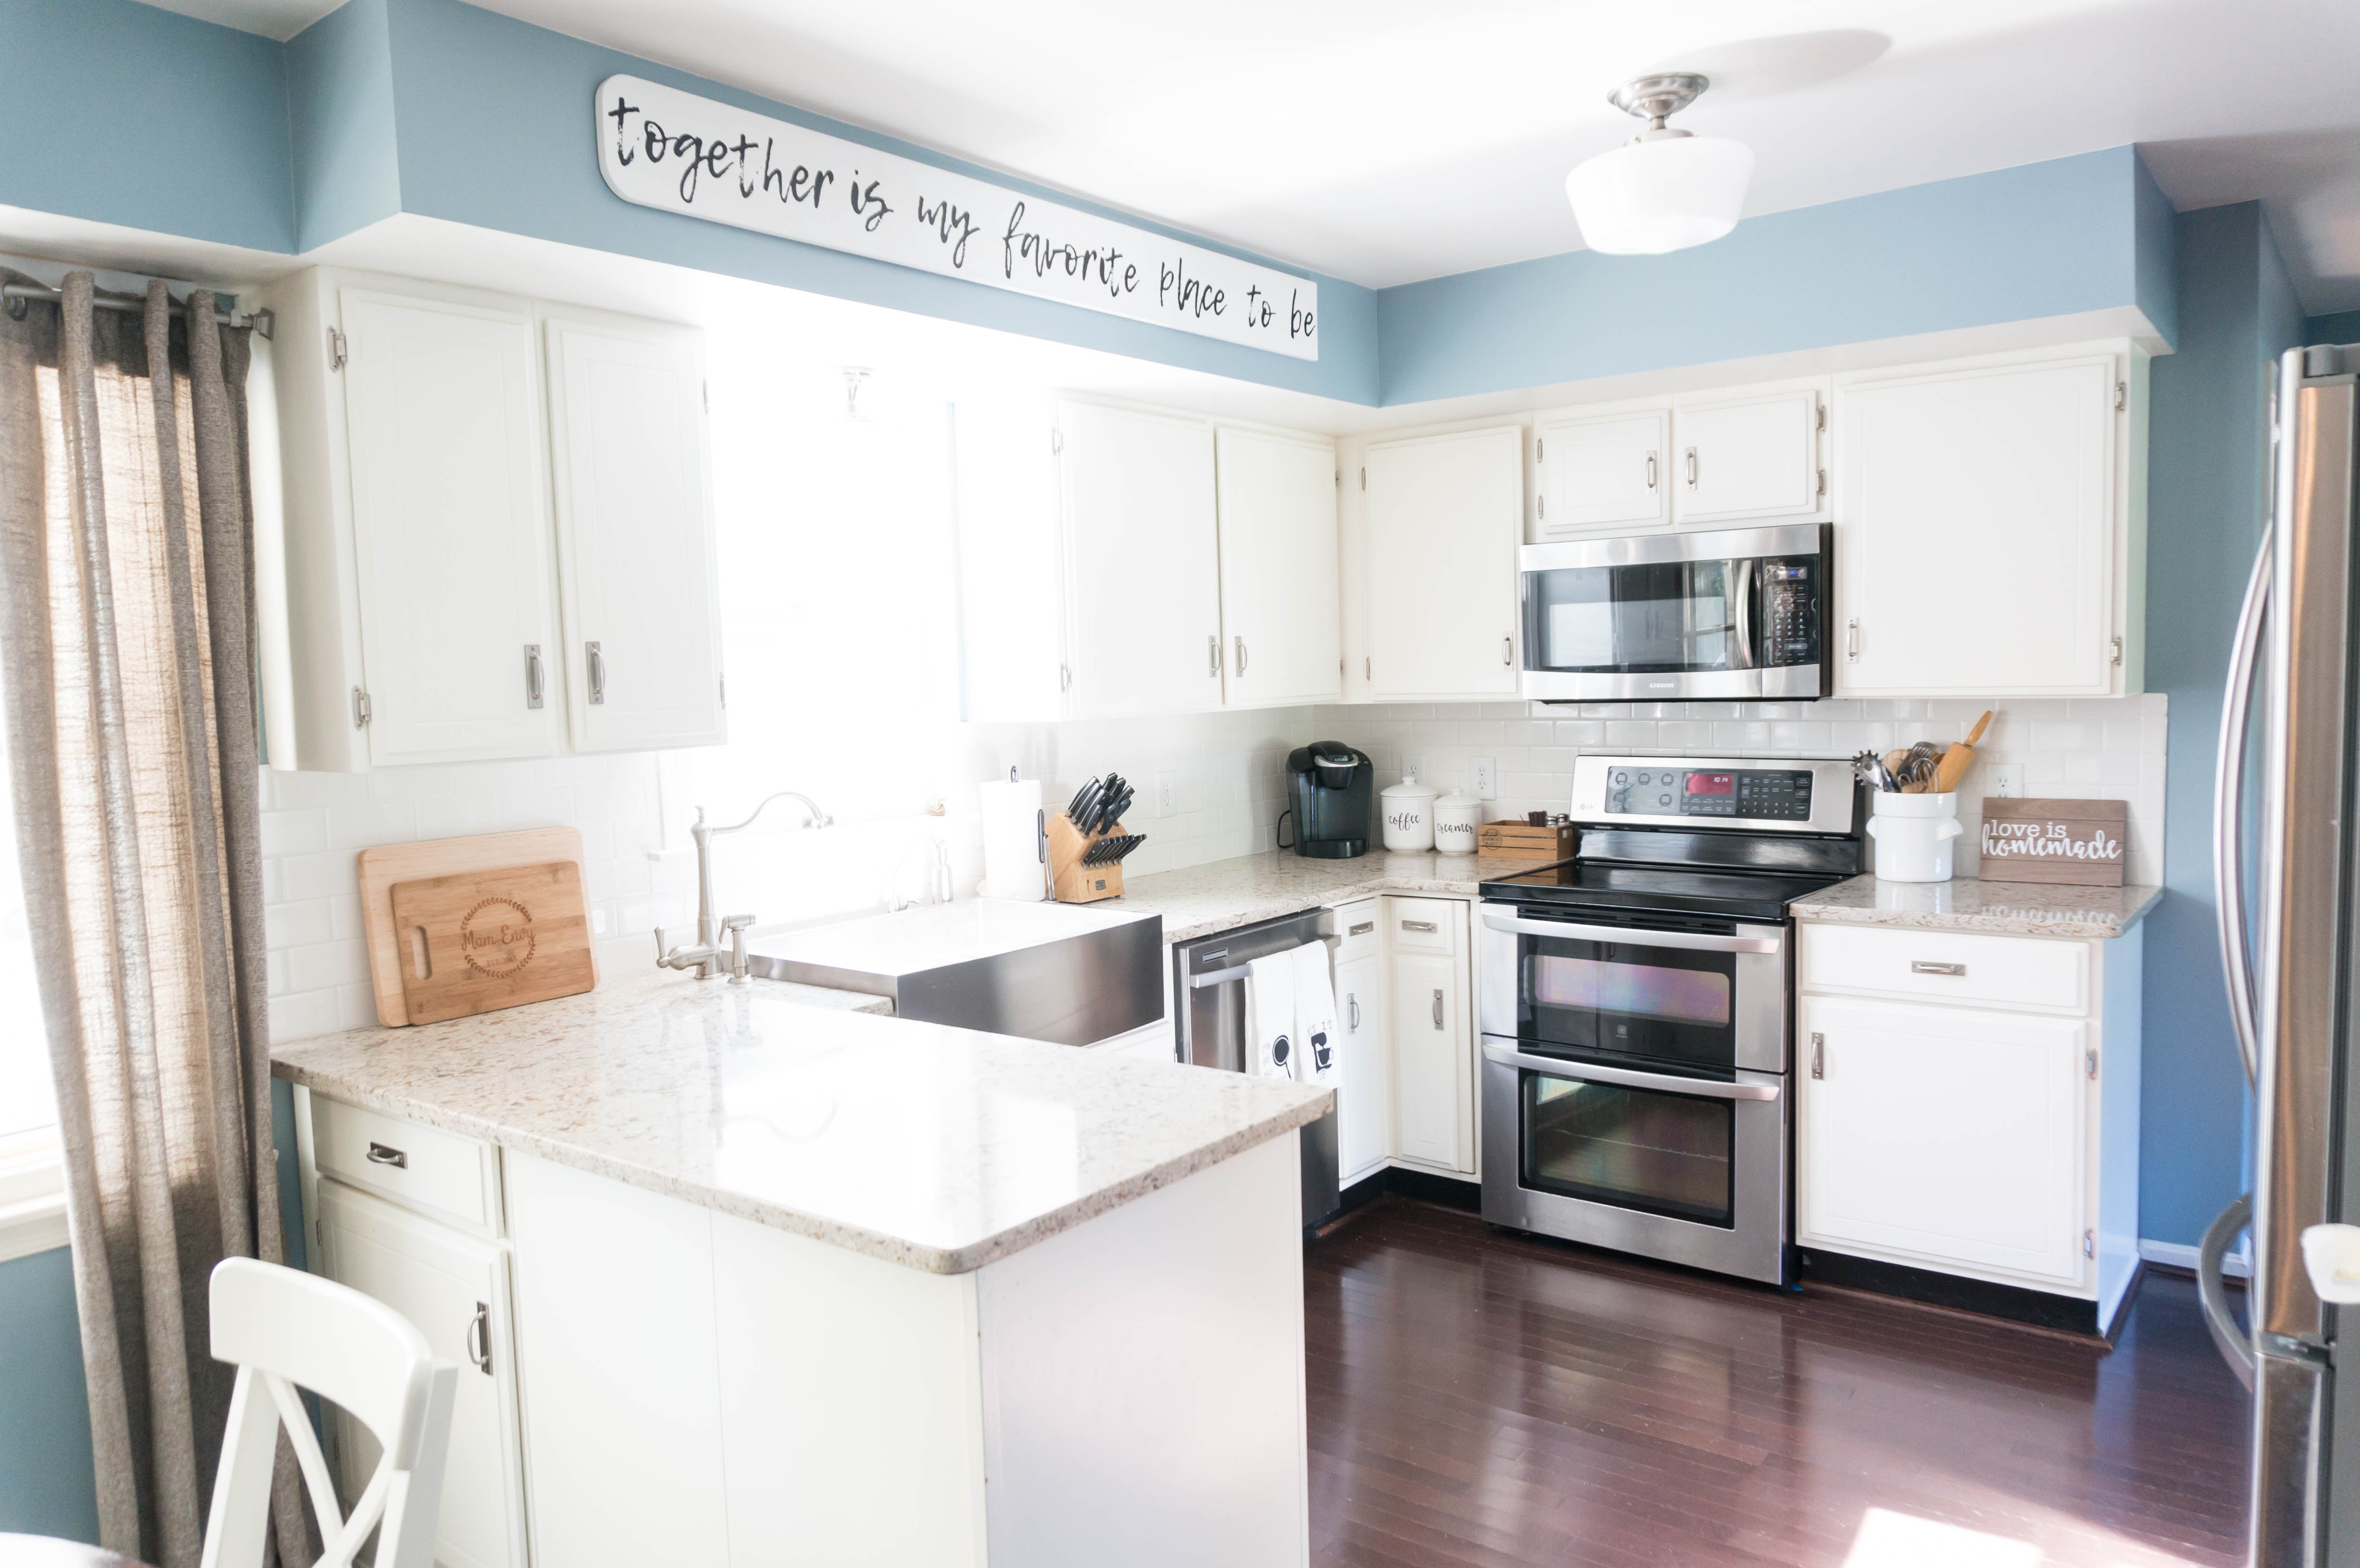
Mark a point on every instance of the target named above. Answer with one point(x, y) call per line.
point(2228, 794)
point(2219, 1317)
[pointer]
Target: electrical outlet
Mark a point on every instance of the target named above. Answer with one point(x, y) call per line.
point(1167, 795)
point(1485, 772)
point(2006, 781)
point(1412, 767)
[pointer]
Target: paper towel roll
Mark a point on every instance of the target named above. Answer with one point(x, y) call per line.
point(1014, 851)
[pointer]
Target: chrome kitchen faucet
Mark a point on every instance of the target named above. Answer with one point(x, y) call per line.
point(706, 956)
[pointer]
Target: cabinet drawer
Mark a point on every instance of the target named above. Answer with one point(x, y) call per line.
point(1947, 966)
point(1422, 925)
point(432, 1172)
point(1358, 930)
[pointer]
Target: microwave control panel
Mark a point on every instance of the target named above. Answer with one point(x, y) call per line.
point(1759, 794)
point(1792, 630)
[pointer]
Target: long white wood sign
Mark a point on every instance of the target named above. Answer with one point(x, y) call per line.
point(658, 147)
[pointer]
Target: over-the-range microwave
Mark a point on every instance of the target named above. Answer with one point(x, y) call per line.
point(1736, 613)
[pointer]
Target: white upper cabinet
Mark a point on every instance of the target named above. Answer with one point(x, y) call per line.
point(1604, 472)
point(450, 531)
point(1983, 538)
point(634, 534)
point(1752, 456)
point(1142, 579)
point(1445, 515)
point(1279, 606)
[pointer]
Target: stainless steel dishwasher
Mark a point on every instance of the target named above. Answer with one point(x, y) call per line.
point(1208, 976)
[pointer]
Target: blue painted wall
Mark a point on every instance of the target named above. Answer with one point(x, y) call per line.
point(2047, 239)
point(2207, 483)
point(2339, 329)
point(346, 168)
point(128, 115)
point(44, 1465)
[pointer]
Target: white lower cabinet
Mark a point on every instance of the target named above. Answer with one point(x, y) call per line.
point(1429, 1014)
point(1362, 1104)
point(1968, 1105)
point(454, 1288)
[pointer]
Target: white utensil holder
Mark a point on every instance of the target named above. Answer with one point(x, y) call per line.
point(1913, 835)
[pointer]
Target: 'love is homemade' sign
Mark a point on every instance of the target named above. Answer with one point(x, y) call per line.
point(660, 147)
point(2081, 842)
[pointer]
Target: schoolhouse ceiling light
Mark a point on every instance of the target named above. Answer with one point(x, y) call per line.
point(1665, 189)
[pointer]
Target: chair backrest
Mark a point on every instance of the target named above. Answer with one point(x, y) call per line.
point(285, 1330)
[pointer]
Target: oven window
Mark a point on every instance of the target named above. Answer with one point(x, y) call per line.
point(1627, 998)
point(1636, 1148)
point(1669, 616)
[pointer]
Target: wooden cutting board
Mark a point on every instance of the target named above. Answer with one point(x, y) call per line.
point(386, 865)
point(477, 941)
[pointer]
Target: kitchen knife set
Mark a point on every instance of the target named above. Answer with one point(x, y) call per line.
point(1924, 768)
point(1099, 806)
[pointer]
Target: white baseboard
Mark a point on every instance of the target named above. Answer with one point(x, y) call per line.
point(2238, 1265)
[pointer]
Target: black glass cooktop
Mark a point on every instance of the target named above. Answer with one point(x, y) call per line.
point(1661, 889)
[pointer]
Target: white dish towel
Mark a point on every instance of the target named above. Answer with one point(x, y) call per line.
point(1317, 1038)
point(1269, 1015)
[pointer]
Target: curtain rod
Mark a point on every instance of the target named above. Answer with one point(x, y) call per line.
point(17, 294)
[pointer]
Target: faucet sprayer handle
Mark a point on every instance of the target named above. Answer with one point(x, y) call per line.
point(736, 926)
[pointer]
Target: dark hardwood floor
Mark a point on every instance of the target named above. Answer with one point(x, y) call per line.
point(1482, 1397)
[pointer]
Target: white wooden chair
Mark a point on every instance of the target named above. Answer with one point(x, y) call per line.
point(285, 1330)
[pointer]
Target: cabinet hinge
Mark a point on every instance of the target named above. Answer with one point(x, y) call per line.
point(336, 355)
point(2118, 650)
point(1056, 442)
point(1339, 479)
point(1541, 502)
point(2121, 395)
point(1822, 423)
point(362, 713)
point(2089, 1061)
point(1064, 678)
point(2089, 1244)
point(1823, 481)
point(1540, 450)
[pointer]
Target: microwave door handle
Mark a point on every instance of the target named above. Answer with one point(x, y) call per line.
point(1702, 942)
point(1591, 1072)
point(1741, 589)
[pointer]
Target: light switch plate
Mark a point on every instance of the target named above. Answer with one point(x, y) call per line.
point(1484, 771)
point(2005, 782)
point(1167, 794)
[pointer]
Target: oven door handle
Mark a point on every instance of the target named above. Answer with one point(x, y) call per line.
point(1590, 1073)
point(1635, 937)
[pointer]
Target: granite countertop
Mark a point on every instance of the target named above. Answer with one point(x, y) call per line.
point(1967, 904)
point(1221, 895)
point(940, 1148)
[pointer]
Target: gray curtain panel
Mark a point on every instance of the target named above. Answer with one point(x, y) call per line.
point(125, 643)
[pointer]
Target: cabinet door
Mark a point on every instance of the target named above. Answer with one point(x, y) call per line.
point(1750, 456)
point(1945, 1135)
point(1444, 516)
point(450, 534)
point(1361, 1103)
point(1142, 565)
point(1975, 532)
point(1431, 1091)
point(454, 1288)
point(1605, 471)
point(1279, 605)
point(634, 537)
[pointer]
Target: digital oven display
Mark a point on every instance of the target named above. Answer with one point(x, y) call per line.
point(1759, 794)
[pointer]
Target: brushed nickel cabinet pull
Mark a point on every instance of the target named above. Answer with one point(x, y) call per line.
point(1651, 471)
point(596, 661)
point(1363, 928)
point(1212, 656)
point(382, 1154)
point(1420, 926)
point(532, 684)
point(1241, 656)
point(1819, 1056)
point(1693, 468)
point(479, 1338)
point(1437, 1008)
point(1352, 1011)
point(1923, 967)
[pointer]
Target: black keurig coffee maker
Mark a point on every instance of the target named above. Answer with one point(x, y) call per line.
point(1334, 790)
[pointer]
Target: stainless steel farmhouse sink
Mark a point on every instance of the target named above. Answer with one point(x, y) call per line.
point(1048, 971)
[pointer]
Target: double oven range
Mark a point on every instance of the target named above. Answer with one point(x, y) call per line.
point(1637, 1009)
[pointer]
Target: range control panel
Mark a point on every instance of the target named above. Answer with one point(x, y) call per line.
point(1761, 794)
point(1781, 794)
point(1790, 610)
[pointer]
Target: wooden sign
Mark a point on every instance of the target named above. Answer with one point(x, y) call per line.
point(478, 940)
point(2081, 842)
point(660, 147)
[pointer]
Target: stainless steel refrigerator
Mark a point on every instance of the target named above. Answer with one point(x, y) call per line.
point(2284, 862)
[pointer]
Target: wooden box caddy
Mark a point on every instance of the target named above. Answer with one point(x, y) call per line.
point(1511, 837)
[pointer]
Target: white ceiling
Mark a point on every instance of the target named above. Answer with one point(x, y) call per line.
point(1388, 140)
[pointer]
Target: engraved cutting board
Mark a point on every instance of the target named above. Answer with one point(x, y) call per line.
point(388, 864)
point(477, 941)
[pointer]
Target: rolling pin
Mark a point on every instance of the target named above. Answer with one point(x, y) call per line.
point(1960, 757)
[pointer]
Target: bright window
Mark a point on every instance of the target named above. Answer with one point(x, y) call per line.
point(27, 1106)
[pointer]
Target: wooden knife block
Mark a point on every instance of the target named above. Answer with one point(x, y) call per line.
point(1070, 881)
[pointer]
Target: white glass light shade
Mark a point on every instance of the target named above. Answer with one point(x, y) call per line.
point(1649, 197)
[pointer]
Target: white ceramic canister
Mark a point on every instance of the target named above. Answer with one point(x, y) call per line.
point(1408, 810)
point(1914, 835)
point(1456, 819)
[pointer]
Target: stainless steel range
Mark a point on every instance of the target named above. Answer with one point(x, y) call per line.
point(1637, 1009)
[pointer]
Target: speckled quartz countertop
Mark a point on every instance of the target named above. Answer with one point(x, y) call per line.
point(2005, 909)
point(936, 1148)
point(1224, 893)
